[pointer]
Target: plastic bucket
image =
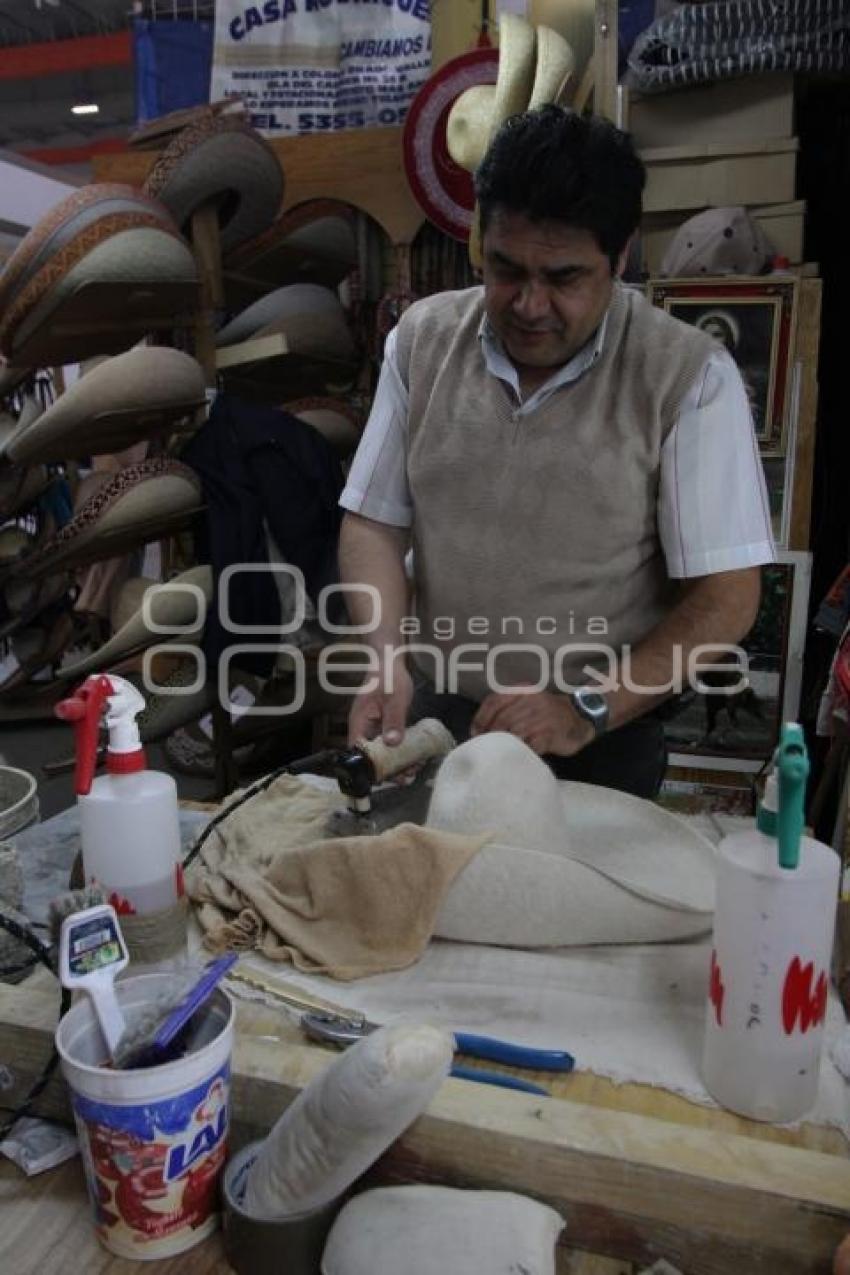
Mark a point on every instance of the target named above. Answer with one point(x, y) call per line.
point(152, 1140)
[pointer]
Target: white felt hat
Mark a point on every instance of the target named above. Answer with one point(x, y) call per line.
point(308, 315)
point(496, 783)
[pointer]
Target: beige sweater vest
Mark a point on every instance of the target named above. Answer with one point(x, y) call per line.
point(539, 532)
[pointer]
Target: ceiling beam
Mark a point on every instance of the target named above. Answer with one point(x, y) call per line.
point(31, 61)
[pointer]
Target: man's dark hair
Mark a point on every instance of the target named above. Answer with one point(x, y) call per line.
point(554, 165)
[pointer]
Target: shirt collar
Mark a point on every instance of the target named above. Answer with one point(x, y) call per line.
point(498, 364)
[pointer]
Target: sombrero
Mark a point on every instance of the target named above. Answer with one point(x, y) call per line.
point(534, 68)
point(154, 134)
point(122, 400)
point(139, 503)
point(220, 159)
point(178, 604)
point(104, 265)
point(479, 112)
point(570, 862)
point(308, 315)
point(441, 187)
point(334, 419)
point(314, 241)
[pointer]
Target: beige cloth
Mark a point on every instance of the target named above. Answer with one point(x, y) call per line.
point(347, 907)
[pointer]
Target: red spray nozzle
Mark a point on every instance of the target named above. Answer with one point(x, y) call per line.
point(84, 710)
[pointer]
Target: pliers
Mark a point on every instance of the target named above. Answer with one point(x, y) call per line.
point(335, 1029)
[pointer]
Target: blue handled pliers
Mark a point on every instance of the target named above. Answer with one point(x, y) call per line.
point(335, 1029)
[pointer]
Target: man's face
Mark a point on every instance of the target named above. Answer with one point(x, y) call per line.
point(546, 287)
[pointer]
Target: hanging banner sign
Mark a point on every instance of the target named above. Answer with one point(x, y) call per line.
point(317, 66)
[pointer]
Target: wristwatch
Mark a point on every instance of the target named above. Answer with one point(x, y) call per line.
point(592, 706)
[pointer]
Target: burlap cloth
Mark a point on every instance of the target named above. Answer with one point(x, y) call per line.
point(267, 880)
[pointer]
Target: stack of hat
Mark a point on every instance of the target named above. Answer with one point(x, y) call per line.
point(315, 241)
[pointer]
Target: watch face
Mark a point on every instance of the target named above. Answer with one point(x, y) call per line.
point(592, 705)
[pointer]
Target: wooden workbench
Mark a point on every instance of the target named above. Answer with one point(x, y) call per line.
point(638, 1173)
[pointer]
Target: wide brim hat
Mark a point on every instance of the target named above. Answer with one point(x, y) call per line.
point(124, 399)
point(480, 111)
point(496, 783)
point(441, 188)
point(222, 161)
point(139, 503)
point(104, 266)
point(337, 422)
point(535, 66)
point(177, 604)
point(315, 240)
point(309, 316)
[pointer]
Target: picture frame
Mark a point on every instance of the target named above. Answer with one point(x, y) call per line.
point(739, 733)
point(755, 318)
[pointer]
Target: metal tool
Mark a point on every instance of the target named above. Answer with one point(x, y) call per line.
point(336, 1029)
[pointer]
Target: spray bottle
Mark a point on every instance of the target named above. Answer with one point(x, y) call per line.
point(774, 920)
point(129, 822)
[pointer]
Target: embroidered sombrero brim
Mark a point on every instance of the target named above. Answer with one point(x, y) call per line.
point(133, 396)
point(179, 604)
point(140, 503)
point(221, 160)
point(314, 241)
point(136, 279)
point(334, 420)
point(310, 317)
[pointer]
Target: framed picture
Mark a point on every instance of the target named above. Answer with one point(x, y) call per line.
point(755, 318)
point(718, 730)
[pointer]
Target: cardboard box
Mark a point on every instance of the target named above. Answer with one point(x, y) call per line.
point(782, 223)
point(756, 107)
point(716, 175)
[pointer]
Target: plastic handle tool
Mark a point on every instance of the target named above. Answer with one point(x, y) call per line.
point(211, 975)
point(503, 1051)
point(92, 952)
point(498, 1078)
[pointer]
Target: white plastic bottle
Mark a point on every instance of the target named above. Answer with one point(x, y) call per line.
point(770, 965)
point(129, 820)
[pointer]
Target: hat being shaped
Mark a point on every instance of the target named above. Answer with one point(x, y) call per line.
point(716, 242)
point(104, 265)
point(119, 402)
point(569, 862)
point(219, 159)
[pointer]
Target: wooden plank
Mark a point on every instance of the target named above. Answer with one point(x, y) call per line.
point(605, 60)
point(364, 167)
point(633, 1187)
point(806, 352)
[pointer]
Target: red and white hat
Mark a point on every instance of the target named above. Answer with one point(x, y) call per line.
point(441, 187)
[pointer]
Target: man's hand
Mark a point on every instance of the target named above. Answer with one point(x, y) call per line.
point(841, 1261)
point(383, 713)
point(547, 723)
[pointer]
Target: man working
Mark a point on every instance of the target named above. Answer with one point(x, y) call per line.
point(575, 470)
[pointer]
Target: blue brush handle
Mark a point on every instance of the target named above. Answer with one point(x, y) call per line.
point(502, 1051)
point(200, 991)
point(497, 1078)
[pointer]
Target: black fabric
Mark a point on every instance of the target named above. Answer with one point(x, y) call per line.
point(259, 465)
point(632, 758)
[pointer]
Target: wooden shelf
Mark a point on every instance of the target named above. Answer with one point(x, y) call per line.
point(265, 368)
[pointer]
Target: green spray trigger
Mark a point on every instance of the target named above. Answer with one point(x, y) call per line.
point(792, 767)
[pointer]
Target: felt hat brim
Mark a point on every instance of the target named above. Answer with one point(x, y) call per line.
point(315, 240)
point(635, 844)
point(133, 396)
point(140, 503)
point(334, 420)
point(178, 604)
